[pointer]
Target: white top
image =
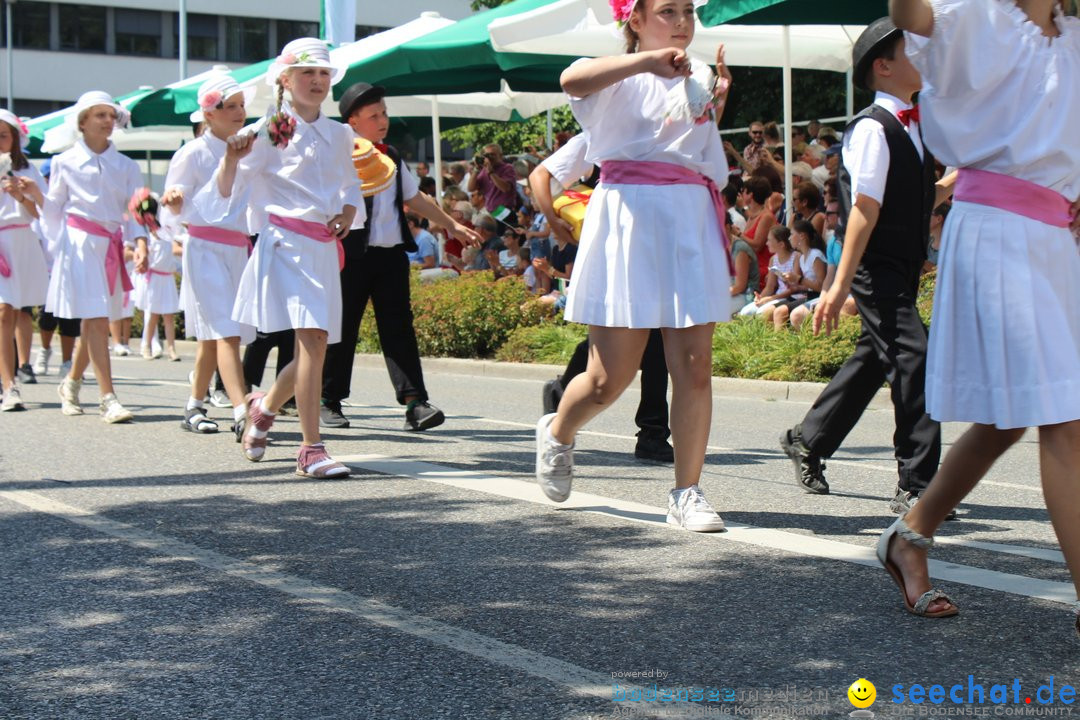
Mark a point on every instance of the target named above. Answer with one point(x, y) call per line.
point(998, 95)
point(191, 170)
point(15, 213)
point(96, 187)
point(567, 165)
point(806, 263)
point(285, 182)
point(866, 151)
point(737, 219)
point(385, 222)
point(159, 251)
point(625, 121)
point(779, 268)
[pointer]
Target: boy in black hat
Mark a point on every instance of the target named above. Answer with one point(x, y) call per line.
point(377, 267)
point(887, 193)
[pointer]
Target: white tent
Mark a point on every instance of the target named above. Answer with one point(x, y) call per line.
point(585, 28)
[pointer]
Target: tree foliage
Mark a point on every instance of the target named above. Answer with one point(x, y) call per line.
point(514, 137)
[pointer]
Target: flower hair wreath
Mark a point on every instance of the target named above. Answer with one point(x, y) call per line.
point(621, 10)
point(210, 100)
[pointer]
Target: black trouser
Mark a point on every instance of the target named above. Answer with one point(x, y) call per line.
point(892, 348)
point(652, 412)
point(257, 351)
point(381, 275)
point(69, 327)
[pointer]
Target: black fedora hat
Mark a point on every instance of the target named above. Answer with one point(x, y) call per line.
point(358, 95)
point(875, 38)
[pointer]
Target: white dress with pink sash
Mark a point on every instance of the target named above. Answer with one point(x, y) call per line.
point(24, 277)
point(1000, 97)
point(650, 255)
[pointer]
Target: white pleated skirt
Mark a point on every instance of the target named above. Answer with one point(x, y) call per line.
point(78, 286)
point(157, 293)
point(290, 282)
point(208, 290)
point(127, 308)
point(1005, 336)
point(650, 256)
point(29, 280)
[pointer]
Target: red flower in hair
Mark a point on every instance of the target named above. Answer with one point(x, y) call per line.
point(143, 207)
point(622, 9)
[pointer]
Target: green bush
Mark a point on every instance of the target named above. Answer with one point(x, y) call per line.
point(551, 343)
point(469, 316)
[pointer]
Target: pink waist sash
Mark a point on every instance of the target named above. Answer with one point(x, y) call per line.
point(5, 266)
point(220, 236)
point(315, 231)
point(1013, 195)
point(114, 256)
point(623, 172)
point(152, 271)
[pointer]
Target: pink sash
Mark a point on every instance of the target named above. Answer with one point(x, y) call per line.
point(152, 271)
point(5, 266)
point(234, 238)
point(1013, 195)
point(114, 256)
point(642, 172)
point(313, 230)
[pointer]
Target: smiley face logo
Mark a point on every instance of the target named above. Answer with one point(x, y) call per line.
point(862, 693)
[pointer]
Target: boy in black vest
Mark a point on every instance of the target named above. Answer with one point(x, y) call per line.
point(887, 194)
point(376, 267)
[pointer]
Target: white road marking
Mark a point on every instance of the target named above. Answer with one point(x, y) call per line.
point(747, 534)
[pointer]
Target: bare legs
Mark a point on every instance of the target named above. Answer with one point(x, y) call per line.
point(1059, 461)
point(93, 346)
point(302, 378)
point(7, 349)
point(223, 354)
point(24, 336)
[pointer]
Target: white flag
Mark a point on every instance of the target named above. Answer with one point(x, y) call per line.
point(338, 21)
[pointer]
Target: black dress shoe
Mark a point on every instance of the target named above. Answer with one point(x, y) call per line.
point(330, 416)
point(423, 416)
point(289, 409)
point(809, 467)
point(654, 448)
point(552, 394)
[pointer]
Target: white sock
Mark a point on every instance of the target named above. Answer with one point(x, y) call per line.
point(262, 406)
point(555, 443)
point(193, 403)
point(238, 412)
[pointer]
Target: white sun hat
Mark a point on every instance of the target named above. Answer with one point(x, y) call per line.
point(218, 89)
point(303, 52)
point(20, 127)
point(94, 98)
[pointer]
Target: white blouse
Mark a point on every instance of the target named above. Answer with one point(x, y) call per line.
point(1000, 96)
point(192, 168)
point(625, 121)
point(310, 179)
point(13, 212)
point(866, 151)
point(96, 187)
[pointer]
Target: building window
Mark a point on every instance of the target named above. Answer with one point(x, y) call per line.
point(202, 36)
point(247, 39)
point(138, 32)
point(363, 31)
point(30, 24)
point(292, 29)
point(82, 28)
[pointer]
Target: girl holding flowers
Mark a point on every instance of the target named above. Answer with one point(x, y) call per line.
point(85, 216)
point(297, 175)
point(215, 254)
point(23, 276)
point(653, 253)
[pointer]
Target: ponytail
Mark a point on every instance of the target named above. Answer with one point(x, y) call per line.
point(280, 93)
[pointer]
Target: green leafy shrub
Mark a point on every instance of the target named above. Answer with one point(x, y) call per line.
point(550, 343)
point(470, 316)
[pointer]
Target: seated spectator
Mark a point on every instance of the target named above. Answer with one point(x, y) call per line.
point(832, 159)
point(937, 223)
point(745, 284)
point(528, 272)
point(453, 255)
point(459, 174)
point(806, 204)
point(558, 268)
point(487, 227)
point(798, 136)
point(827, 137)
point(513, 240)
point(423, 170)
point(426, 256)
point(811, 272)
point(427, 186)
point(781, 266)
point(833, 250)
point(730, 195)
point(800, 172)
point(476, 199)
point(755, 152)
point(772, 135)
point(814, 156)
point(812, 129)
point(759, 221)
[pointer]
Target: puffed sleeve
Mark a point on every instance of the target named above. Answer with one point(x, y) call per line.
point(182, 171)
point(133, 182)
point(219, 210)
point(350, 188)
point(972, 46)
point(716, 157)
point(590, 110)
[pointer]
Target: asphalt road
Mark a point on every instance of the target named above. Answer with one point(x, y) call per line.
point(152, 573)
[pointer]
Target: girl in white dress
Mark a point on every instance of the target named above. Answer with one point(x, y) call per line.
point(304, 189)
point(157, 295)
point(23, 276)
point(214, 255)
point(1005, 337)
point(653, 252)
point(85, 218)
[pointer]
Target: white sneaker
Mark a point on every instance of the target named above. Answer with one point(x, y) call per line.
point(689, 509)
point(554, 463)
point(68, 390)
point(155, 347)
point(65, 368)
point(113, 412)
point(11, 400)
point(121, 350)
point(41, 362)
point(220, 399)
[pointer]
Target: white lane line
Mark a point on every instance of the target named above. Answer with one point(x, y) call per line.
point(579, 680)
point(1045, 554)
point(747, 534)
